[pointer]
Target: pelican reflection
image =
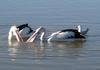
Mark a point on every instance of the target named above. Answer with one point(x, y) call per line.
point(17, 48)
point(70, 44)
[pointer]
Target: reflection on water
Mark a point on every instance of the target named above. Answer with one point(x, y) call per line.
point(70, 44)
point(17, 48)
point(42, 50)
point(71, 49)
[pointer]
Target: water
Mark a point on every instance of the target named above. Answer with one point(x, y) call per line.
point(53, 15)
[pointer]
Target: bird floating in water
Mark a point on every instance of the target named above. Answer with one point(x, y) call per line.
point(19, 32)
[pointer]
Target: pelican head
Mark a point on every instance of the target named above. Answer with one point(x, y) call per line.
point(79, 28)
point(42, 33)
point(12, 31)
point(81, 31)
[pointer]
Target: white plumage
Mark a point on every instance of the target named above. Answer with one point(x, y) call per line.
point(60, 36)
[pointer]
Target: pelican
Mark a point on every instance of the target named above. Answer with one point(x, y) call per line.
point(66, 34)
point(20, 32)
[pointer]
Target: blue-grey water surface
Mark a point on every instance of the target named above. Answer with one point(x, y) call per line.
point(53, 15)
